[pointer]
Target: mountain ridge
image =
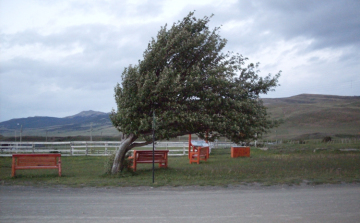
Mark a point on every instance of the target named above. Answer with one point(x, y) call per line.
point(302, 115)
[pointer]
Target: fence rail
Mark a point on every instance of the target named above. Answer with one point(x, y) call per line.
point(91, 148)
point(106, 148)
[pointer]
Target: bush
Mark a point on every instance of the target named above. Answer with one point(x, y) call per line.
point(326, 139)
point(109, 162)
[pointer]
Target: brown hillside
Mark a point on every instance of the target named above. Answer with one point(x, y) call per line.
point(314, 115)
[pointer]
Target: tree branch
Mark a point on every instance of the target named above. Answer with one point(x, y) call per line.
point(139, 144)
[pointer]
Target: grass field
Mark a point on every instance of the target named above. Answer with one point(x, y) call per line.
point(279, 165)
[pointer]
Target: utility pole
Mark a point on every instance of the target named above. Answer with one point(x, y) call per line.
point(21, 133)
point(153, 155)
point(91, 132)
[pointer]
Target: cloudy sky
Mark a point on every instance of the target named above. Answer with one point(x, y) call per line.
point(58, 58)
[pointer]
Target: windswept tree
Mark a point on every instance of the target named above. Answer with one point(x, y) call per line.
point(193, 88)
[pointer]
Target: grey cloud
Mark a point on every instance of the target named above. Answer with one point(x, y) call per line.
point(330, 23)
point(85, 80)
point(150, 8)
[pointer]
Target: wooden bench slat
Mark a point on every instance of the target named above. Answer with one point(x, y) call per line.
point(36, 167)
point(37, 164)
point(35, 159)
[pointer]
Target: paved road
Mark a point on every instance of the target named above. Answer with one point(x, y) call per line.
point(324, 203)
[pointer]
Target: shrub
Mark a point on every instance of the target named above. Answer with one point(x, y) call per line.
point(326, 139)
point(109, 162)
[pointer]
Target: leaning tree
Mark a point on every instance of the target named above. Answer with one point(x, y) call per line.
point(192, 87)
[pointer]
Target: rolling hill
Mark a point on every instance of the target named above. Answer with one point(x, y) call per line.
point(304, 116)
point(314, 116)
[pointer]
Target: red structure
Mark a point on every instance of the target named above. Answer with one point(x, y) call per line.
point(198, 151)
point(146, 156)
point(35, 161)
point(239, 151)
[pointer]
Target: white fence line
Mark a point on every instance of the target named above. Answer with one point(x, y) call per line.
point(82, 148)
point(95, 148)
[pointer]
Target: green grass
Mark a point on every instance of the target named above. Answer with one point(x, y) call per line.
point(291, 165)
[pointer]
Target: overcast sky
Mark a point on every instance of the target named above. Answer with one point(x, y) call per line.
point(58, 58)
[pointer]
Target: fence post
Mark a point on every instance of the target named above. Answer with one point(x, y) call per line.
point(71, 149)
point(106, 145)
point(86, 151)
point(33, 147)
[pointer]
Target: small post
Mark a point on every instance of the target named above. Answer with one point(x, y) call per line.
point(21, 134)
point(91, 132)
point(153, 155)
point(189, 146)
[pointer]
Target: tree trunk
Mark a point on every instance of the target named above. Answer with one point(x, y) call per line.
point(125, 146)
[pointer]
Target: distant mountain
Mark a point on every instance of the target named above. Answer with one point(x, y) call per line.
point(304, 116)
point(88, 114)
point(79, 124)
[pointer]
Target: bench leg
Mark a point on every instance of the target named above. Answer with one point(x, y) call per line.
point(163, 164)
point(13, 167)
point(195, 158)
point(59, 166)
point(134, 165)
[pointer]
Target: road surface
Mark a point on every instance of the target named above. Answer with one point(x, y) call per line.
point(323, 203)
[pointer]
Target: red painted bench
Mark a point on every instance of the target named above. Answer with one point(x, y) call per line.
point(35, 161)
point(198, 153)
point(146, 156)
point(198, 150)
point(238, 151)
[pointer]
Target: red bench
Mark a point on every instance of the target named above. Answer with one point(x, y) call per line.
point(35, 161)
point(239, 151)
point(146, 156)
point(198, 150)
point(198, 153)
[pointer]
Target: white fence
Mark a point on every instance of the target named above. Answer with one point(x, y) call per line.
point(79, 148)
point(83, 148)
point(94, 148)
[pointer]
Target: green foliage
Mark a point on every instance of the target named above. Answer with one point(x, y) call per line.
point(192, 87)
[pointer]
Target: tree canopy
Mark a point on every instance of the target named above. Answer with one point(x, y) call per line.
point(193, 88)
